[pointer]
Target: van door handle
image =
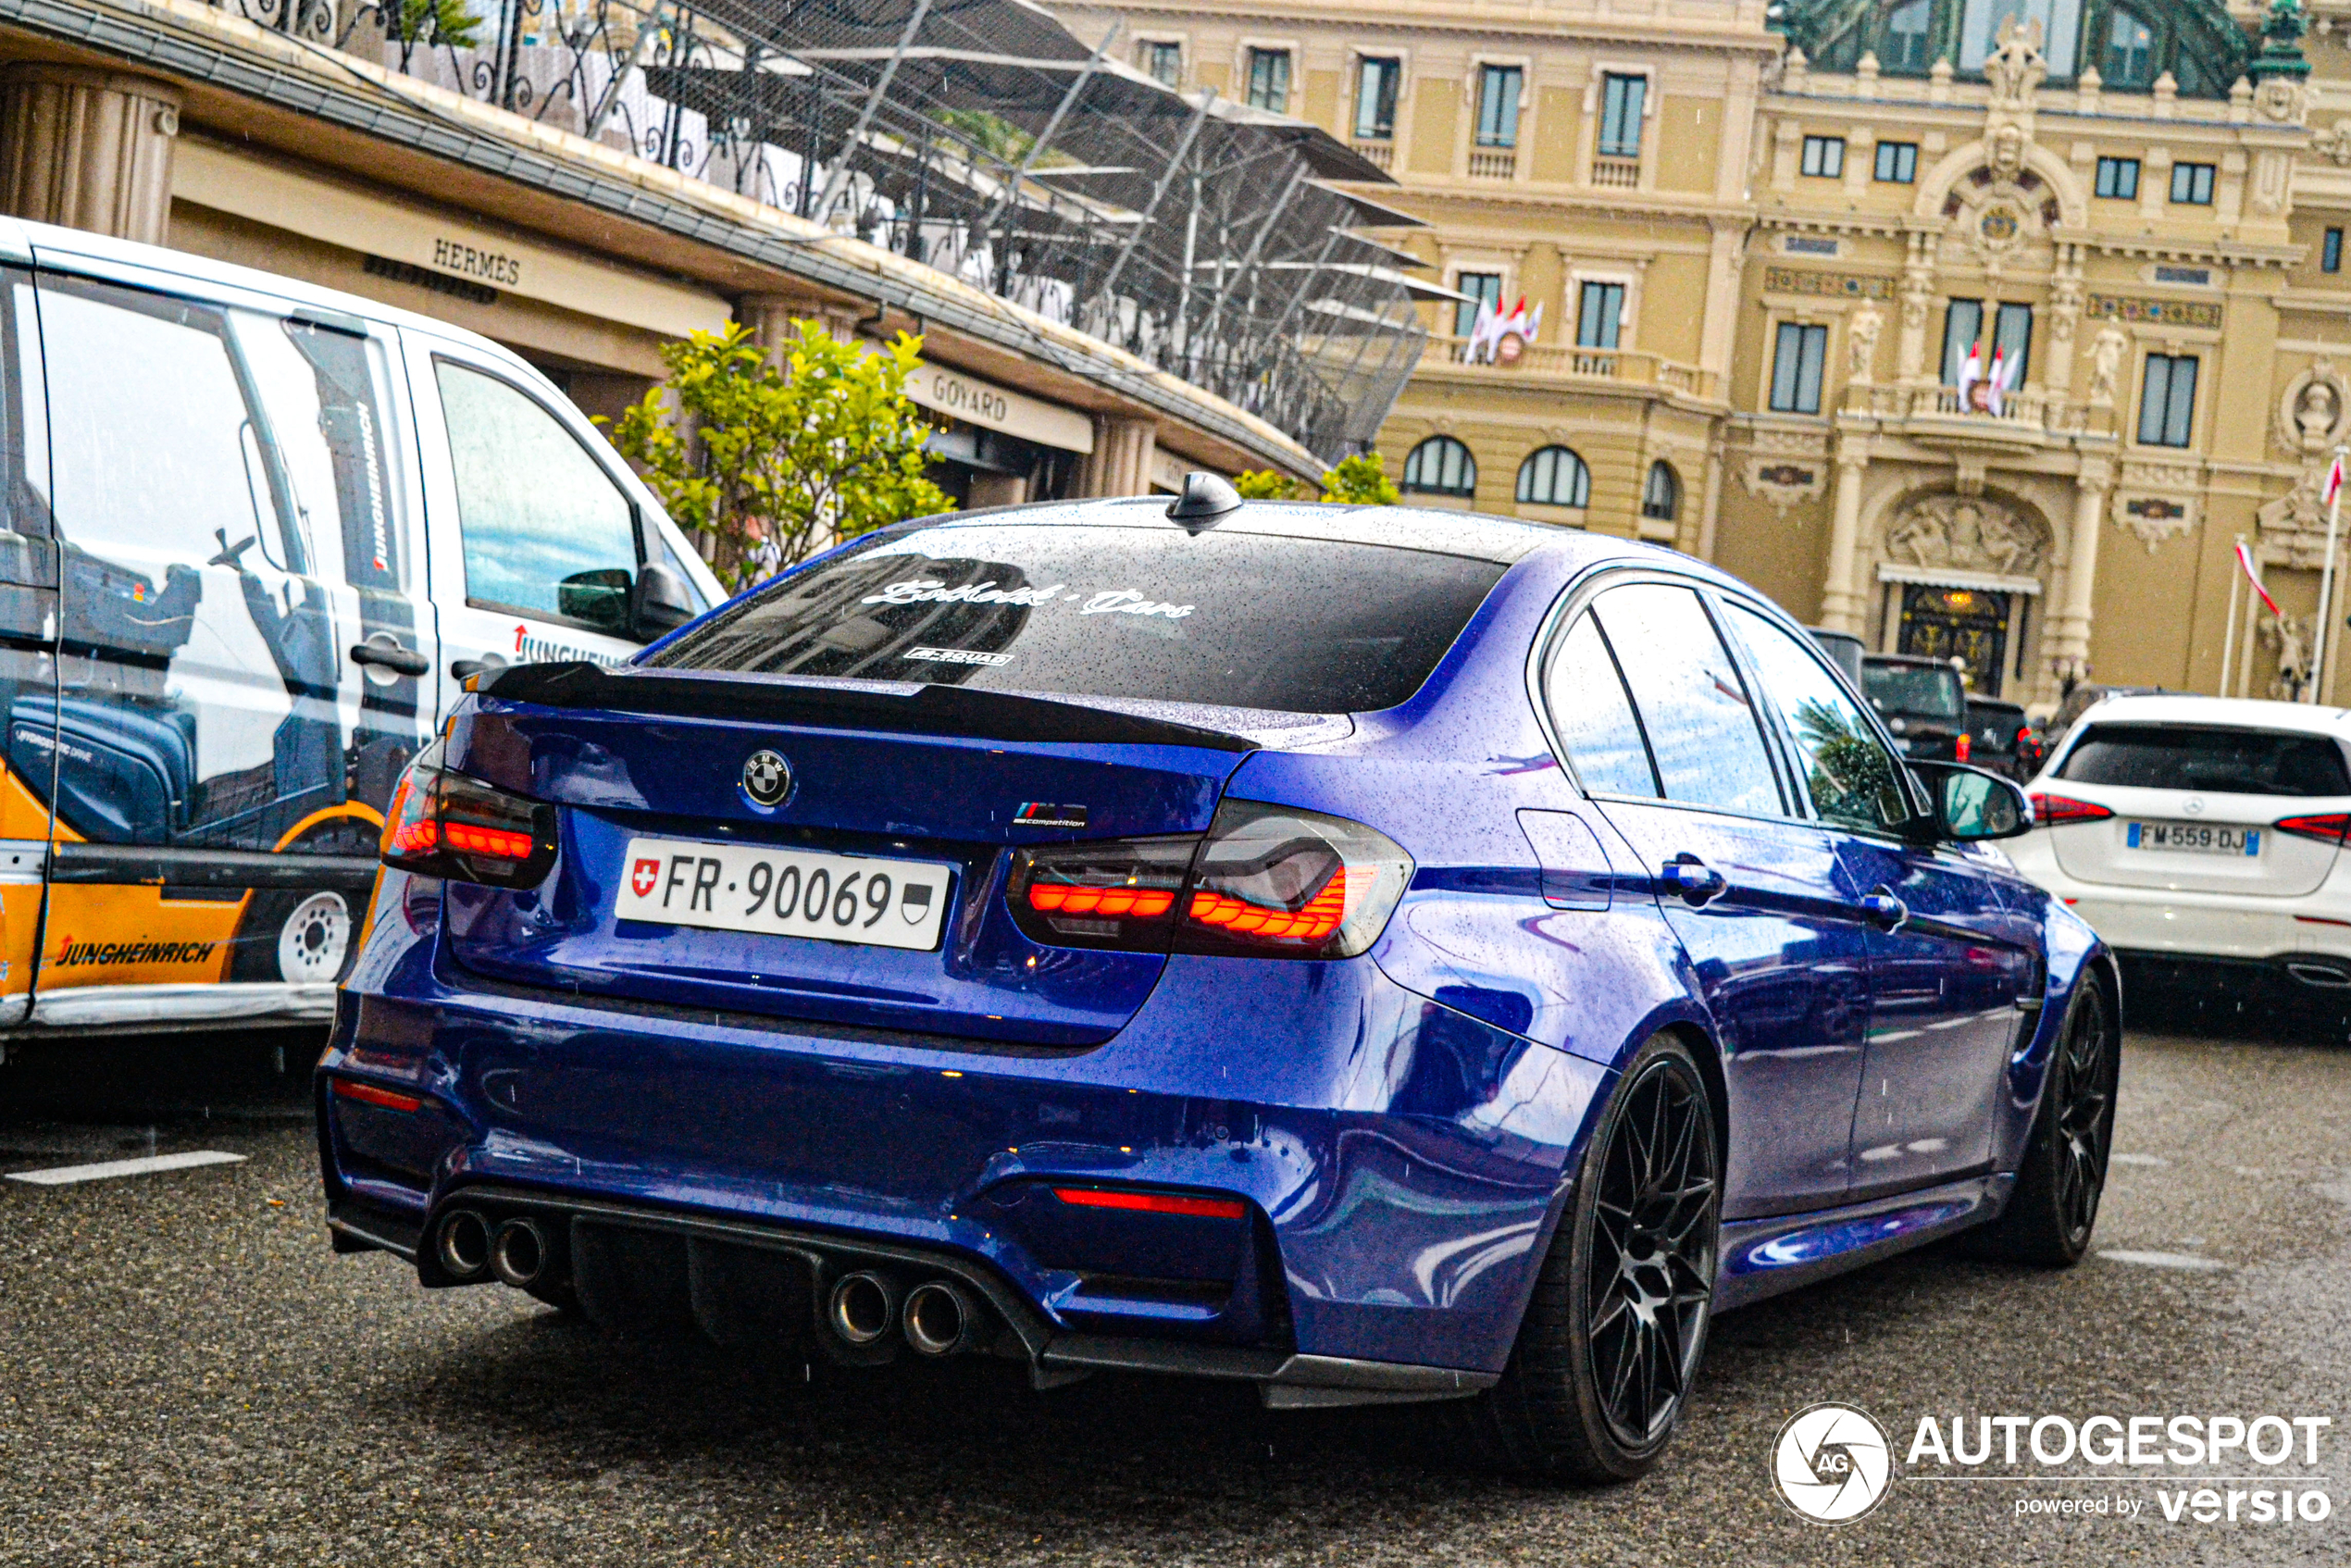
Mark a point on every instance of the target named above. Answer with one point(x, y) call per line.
point(1692, 878)
point(1886, 911)
point(390, 656)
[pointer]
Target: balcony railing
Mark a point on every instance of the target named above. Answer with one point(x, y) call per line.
point(1621, 367)
point(1617, 174)
point(1493, 163)
point(2027, 413)
point(1379, 154)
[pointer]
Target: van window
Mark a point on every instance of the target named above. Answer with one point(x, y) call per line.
point(547, 533)
point(324, 393)
point(148, 431)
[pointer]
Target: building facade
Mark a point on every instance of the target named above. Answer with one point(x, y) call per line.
point(1984, 329)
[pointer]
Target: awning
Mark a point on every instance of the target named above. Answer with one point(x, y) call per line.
point(1951, 576)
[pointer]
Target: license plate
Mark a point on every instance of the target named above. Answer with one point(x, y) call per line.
point(2193, 838)
point(838, 898)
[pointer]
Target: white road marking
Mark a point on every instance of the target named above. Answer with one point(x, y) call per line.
point(2139, 1159)
point(61, 1175)
point(2168, 1260)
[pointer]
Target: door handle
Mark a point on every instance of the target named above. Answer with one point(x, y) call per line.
point(461, 670)
point(1692, 878)
point(406, 661)
point(1886, 911)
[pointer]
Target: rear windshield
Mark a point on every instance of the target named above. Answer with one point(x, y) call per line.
point(2217, 761)
point(1929, 689)
point(1232, 620)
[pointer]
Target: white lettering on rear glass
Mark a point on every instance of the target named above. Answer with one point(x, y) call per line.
point(1127, 601)
point(921, 591)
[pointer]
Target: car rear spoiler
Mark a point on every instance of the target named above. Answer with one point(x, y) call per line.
point(918, 710)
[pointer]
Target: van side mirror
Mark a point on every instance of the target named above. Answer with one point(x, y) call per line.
point(659, 604)
point(1971, 804)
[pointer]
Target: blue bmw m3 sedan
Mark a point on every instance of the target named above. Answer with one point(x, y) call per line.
point(1379, 955)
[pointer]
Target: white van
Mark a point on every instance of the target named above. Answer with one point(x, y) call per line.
point(255, 533)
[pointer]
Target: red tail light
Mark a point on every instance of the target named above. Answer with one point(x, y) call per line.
point(1965, 743)
point(1266, 882)
point(1138, 1201)
point(2048, 811)
point(444, 824)
point(2326, 829)
point(2024, 735)
point(368, 1094)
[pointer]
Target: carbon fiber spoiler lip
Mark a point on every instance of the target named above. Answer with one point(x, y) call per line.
point(956, 710)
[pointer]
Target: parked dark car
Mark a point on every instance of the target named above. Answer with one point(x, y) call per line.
point(1845, 649)
point(2001, 739)
point(1921, 702)
point(2079, 701)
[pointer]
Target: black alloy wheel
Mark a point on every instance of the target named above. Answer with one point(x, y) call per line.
point(2062, 1176)
point(1616, 1328)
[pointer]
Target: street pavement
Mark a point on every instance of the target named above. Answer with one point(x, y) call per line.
point(188, 1375)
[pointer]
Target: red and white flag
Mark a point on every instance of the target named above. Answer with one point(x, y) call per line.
point(2333, 486)
point(2253, 573)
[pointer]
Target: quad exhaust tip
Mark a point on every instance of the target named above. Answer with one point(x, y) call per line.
point(518, 1254)
point(464, 1246)
point(939, 1319)
point(864, 1308)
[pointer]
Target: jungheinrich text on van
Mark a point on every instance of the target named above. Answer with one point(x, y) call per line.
point(255, 535)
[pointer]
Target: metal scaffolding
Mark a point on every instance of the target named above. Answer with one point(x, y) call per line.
point(980, 137)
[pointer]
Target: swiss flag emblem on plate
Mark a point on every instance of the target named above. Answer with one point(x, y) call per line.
point(643, 874)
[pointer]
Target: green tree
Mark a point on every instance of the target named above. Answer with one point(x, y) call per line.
point(1264, 484)
point(1359, 480)
point(432, 24)
point(782, 462)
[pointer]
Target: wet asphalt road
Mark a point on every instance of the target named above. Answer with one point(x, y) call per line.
point(188, 1375)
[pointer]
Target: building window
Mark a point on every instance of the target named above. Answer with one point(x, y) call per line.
point(1906, 36)
point(2167, 401)
point(2130, 53)
point(2331, 252)
point(1661, 497)
point(1554, 477)
point(1824, 157)
point(1165, 61)
point(2192, 184)
point(2119, 178)
point(1962, 331)
point(1598, 313)
point(1622, 98)
point(1375, 99)
point(2062, 32)
point(1483, 288)
point(1269, 80)
point(1963, 336)
point(1441, 466)
point(1795, 368)
point(1898, 162)
point(1497, 105)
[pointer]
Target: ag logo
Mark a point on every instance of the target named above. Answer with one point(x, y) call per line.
point(1832, 1463)
point(643, 874)
point(767, 778)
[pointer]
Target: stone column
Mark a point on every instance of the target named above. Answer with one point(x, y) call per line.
point(774, 319)
point(1918, 290)
point(1120, 461)
point(88, 149)
point(1841, 608)
point(2070, 658)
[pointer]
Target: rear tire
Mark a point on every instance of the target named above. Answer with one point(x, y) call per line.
point(2062, 1176)
point(300, 938)
point(1616, 1327)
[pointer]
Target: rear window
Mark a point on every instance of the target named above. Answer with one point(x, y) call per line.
point(1231, 620)
point(2215, 761)
point(1929, 689)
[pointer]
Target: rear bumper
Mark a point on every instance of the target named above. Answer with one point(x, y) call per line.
point(2189, 924)
point(1402, 1165)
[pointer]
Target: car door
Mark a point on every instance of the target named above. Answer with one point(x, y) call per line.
point(1947, 962)
point(536, 544)
point(1663, 732)
point(27, 633)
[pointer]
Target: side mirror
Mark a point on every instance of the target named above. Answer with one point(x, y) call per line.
point(1971, 804)
point(600, 598)
point(659, 604)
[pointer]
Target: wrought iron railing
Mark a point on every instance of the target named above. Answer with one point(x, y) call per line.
point(979, 137)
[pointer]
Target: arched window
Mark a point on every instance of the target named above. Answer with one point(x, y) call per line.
point(1441, 466)
point(1661, 497)
point(2130, 52)
point(1552, 476)
point(1908, 28)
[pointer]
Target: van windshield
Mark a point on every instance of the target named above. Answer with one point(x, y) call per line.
point(1225, 620)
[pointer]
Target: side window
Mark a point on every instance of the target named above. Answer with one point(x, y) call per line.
point(1587, 702)
point(324, 391)
point(1702, 729)
point(546, 531)
point(1848, 774)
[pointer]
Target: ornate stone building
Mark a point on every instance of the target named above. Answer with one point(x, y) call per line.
point(1777, 266)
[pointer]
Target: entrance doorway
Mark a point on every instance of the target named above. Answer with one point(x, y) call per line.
point(1968, 624)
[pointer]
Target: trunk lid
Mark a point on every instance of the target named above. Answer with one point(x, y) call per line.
point(868, 781)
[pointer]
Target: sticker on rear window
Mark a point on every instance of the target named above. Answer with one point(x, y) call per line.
point(957, 656)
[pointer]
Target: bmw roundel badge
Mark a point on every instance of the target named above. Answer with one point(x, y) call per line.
point(767, 778)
